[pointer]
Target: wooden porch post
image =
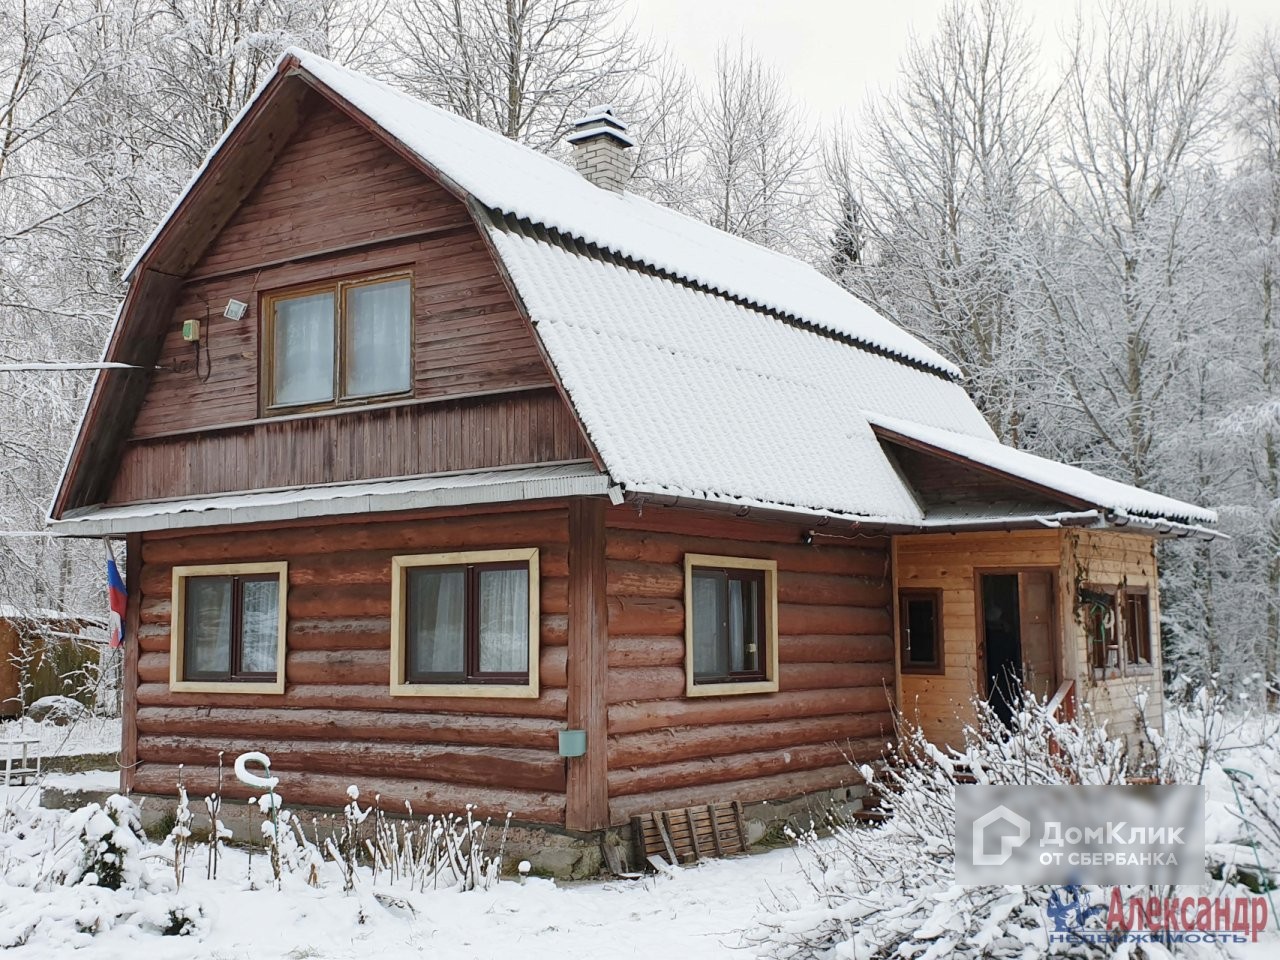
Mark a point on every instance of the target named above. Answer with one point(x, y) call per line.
point(129, 668)
point(587, 789)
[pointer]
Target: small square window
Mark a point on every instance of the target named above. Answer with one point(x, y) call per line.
point(920, 630)
point(730, 625)
point(228, 628)
point(465, 624)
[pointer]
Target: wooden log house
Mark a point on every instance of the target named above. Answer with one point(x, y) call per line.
point(451, 470)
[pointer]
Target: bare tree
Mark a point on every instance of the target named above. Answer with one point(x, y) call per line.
point(947, 183)
point(1252, 425)
point(756, 153)
point(1143, 111)
point(525, 68)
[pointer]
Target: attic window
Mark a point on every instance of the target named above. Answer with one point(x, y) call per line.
point(350, 340)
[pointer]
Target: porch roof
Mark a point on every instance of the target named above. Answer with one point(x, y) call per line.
point(1124, 504)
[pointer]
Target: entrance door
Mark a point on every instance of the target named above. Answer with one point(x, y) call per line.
point(1018, 636)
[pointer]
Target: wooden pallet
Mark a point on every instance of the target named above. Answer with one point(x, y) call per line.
point(690, 834)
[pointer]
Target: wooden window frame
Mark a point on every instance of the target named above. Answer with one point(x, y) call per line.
point(1132, 668)
point(338, 288)
point(403, 685)
point(1103, 672)
point(768, 683)
point(251, 683)
point(1125, 667)
point(939, 666)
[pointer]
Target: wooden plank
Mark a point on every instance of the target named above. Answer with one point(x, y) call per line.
point(587, 804)
point(693, 835)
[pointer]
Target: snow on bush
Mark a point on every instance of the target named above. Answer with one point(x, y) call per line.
point(890, 890)
point(1228, 740)
point(67, 876)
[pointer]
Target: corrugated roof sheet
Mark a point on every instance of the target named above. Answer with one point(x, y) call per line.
point(379, 496)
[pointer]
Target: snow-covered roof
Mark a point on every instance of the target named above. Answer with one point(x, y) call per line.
point(377, 496)
point(987, 452)
point(686, 392)
point(509, 177)
point(702, 366)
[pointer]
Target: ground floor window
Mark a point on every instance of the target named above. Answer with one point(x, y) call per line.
point(731, 642)
point(465, 624)
point(228, 627)
point(920, 630)
point(1117, 628)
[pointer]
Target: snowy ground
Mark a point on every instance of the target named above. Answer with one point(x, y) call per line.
point(710, 911)
point(699, 912)
point(90, 735)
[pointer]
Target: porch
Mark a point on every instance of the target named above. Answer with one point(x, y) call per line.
point(1067, 612)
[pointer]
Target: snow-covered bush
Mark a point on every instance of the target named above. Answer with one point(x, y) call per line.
point(439, 851)
point(66, 877)
point(890, 890)
point(1224, 737)
point(111, 843)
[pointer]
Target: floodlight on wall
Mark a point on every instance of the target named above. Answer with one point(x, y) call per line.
point(235, 309)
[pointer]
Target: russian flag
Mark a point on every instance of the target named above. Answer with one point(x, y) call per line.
point(117, 599)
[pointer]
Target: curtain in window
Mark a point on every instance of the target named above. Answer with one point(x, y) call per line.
point(208, 626)
point(259, 625)
point(709, 651)
point(743, 642)
point(504, 621)
point(303, 349)
point(437, 606)
point(376, 351)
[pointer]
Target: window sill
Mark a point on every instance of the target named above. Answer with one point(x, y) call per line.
point(499, 691)
point(729, 689)
point(917, 670)
point(227, 686)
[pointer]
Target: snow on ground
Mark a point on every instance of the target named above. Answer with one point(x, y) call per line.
point(710, 911)
point(88, 735)
point(698, 912)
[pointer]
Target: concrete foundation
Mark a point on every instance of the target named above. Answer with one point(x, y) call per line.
point(552, 851)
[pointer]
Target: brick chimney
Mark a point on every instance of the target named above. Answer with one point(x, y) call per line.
point(599, 140)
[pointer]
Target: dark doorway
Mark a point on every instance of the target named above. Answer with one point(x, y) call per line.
point(1003, 645)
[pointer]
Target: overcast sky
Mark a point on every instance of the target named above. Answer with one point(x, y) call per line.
point(834, 51)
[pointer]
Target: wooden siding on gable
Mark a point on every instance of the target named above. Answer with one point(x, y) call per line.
point(335, 185)
point(498, 430)
point(835, 674)
point(338, 203)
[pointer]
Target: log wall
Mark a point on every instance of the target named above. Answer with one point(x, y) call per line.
point(836, 671)
point(336, 722)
